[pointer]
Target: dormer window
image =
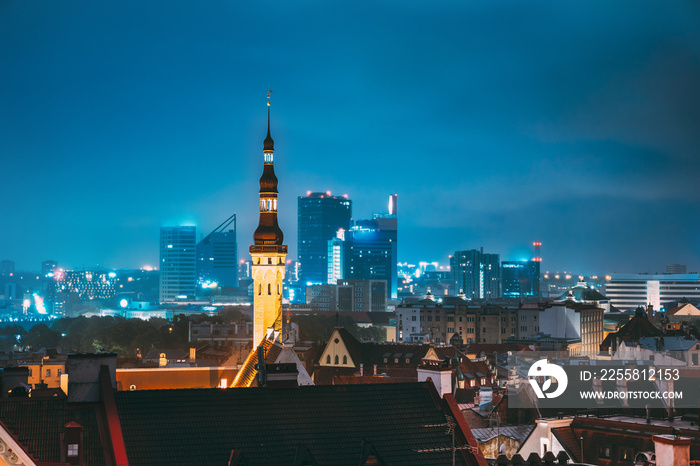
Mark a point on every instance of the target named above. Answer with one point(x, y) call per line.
point(72, 449)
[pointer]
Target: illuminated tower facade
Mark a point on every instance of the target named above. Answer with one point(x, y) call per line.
point(268, 253)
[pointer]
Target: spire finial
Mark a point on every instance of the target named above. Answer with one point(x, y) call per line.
point(269, 144)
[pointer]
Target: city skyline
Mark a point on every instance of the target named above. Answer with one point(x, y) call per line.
point(496, 125)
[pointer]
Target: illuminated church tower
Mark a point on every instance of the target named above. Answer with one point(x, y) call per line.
point(268, 253)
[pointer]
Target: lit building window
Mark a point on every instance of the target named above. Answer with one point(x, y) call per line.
point(72, 449)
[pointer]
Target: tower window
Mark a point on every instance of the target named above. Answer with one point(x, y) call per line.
point(337, 360)
point(269, 288)
point(328, 359)
point(259, 290)
point(345, 359)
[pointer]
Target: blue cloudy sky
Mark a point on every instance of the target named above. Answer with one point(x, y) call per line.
point(497, 123)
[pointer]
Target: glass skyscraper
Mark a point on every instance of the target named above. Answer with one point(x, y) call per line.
point(320, 217)
point(371, 249)
point(217, 259)
point(177, 262)
point(520, 279)
point(476, 274)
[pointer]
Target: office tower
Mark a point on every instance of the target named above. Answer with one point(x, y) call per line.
point(217, 256)
point(629, 291)
point(178, 276)
point(243, 270)
point(476, 274)
point(268, 252)
point(372, 249)
point(676, 268)
point(320, 216)
point(336, 258)
point(520, 279)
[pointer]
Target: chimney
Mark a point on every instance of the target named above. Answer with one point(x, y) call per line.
point(671, 450)
point(282, 375)
point(84, 375)
point(362, 369)
point(375, 369)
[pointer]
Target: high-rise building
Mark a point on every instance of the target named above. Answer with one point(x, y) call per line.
point(217, 256)
point(268, 251)
point(476, 274)
point(520, 279)
point(336, 258)
point(320, 216)
point(372, 249)
point(676, 268)
point(629, 291)
point(178, 276)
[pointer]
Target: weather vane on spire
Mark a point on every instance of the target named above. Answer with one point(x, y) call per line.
point(268, 97)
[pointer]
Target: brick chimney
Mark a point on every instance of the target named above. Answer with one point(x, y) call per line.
point(672, 450)
point(439, 372)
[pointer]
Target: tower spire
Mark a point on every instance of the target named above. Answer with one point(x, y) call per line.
point(268, 251)
point(269, 144)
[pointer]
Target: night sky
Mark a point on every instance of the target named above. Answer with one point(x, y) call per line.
point(498, 123)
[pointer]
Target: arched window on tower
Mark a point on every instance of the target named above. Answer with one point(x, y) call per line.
point(345, 359)
point(259, 290)
point(328, 359)
point(337, 360)
point(269, 288)
point(278, 289)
